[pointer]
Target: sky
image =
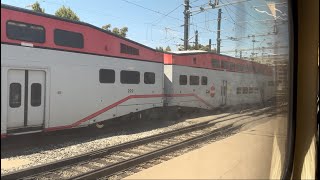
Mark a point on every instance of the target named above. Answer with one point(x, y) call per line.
point(160, 22)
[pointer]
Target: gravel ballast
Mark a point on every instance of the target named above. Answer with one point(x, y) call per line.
point(68, 149)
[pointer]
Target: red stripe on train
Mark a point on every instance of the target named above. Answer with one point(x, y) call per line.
point(120, 102)
point(3, 135)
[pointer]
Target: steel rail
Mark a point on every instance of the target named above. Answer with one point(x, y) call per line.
point(40, 169)
point(125, 164)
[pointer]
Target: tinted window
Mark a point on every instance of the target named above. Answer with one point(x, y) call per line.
point(239, 67)
point(244, 90)
point(270, 83)
point(232, 66)
point(256, 90)
point(245, 68)
point(35, 94)
point(25, 32)
point(239, 90)
point(194, 60)
point(15, 95)
point(204, 80)
point(250, 90)
point(194, 80)
point(107, 76)
point(149, 78)
point(224, 65)
point(68, 38)
point(128, 49)
point(183, 80)
point(130, 77)
point(215, 63)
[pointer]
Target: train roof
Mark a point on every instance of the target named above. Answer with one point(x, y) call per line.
point(211, 60)
point(189, 52)
point(95, 41)
point(70, 21)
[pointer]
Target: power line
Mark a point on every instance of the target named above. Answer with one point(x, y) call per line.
point(245, 12)
point(235, 21)
point(158, 12)
point(157, 21)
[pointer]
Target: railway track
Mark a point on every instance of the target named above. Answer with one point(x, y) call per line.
point(120, 158)
point(108, 161)
point(21, 144)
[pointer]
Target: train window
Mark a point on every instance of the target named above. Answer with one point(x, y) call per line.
point(270, 83)
point(194, 60)
point(256, 90)
point(239, 67)
point(128, 49)
point(250, 90)
point(244, 90)
point(15, 95)
point(25, 32)
point(183, 80)
point(194, 80)
point(239, 90)
point(224, 65)
point(204, 80)
point(130, 77)
point(245, 68)
point(149, 78)
point(35, 94)
point(232, 66)
point(68, 38)
point(215, 63)
point(107, 76)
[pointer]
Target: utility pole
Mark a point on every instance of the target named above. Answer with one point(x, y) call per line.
point(186, 23)
point(209, 44)
point(253, 41)
point(218, 33)
point(196, 39)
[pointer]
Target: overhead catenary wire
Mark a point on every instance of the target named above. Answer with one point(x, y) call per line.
point(158, 20)
point(164, 15)
point(155, 11)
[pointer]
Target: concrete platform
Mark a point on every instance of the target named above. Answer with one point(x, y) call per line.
point(257, 152)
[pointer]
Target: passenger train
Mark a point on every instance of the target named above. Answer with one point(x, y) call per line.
point(58, 74)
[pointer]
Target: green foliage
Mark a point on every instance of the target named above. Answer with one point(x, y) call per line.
point(36, 7)
point(106, 27)
point(121, 32)
point(116, 31)
point(161, 49)
point(67, 13)
point(200, 47)
point(168, 49)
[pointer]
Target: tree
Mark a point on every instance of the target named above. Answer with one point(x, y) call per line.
point(168, 49)
point(67, 13)
point(116, 31)
point(106, 27)
point(123, 31)
point(36, 7)
point(200, 47)
point(159, 49)
point(120, 32)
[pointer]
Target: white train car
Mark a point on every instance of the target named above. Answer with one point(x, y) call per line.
point(58, 74)
point(198, 79)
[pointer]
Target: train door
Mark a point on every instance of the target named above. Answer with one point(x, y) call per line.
point(224, 93)
point(26, 92)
